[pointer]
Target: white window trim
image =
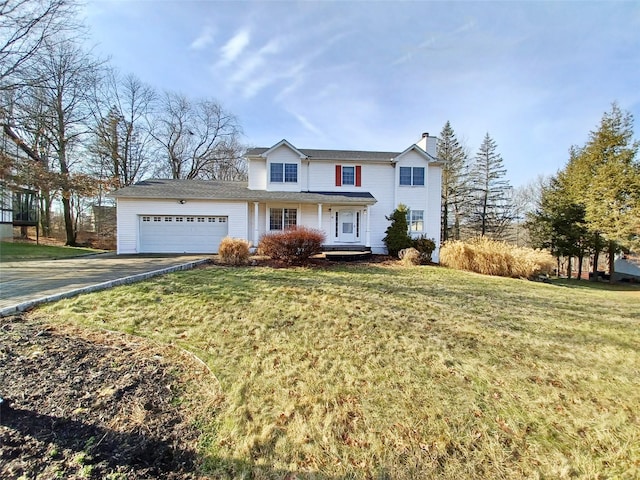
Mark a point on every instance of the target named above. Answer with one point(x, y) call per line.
point(424, 177)
point(284, 175)
point(283, 208)
point(410, 221)
point(342, 167)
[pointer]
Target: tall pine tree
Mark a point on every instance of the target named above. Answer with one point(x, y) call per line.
point(558, 224)
point(455, 186)
point(491, 206)
point(604, 176)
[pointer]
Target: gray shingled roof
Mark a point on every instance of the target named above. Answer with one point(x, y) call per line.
point(355, 155)
point(214, 190)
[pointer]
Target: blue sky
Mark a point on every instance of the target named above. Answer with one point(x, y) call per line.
point(368, 75)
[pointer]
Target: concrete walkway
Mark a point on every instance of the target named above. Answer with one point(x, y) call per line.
point(26, 284)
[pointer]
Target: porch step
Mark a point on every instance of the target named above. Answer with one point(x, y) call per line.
point(345, 248)
point(347, 255)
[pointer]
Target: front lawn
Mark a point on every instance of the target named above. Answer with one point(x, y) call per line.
point(12, 251)
point(395, 373)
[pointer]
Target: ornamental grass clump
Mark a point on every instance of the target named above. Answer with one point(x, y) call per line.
point(492, 257)
point(234, 251)
point(410, 257)
point(292, 246)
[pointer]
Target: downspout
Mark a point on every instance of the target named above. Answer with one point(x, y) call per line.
point(395, 184)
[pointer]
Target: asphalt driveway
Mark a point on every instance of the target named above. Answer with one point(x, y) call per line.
point(28, 283)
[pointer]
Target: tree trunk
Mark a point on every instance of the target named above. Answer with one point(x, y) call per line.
point(580, 261)
point(445, 221)
point(45, 212)
point(68, 220)
point(612, 259)
point(596, 258)
point(456, 225)
point(569, 267)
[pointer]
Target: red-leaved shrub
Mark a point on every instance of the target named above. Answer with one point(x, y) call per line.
point(294, 245)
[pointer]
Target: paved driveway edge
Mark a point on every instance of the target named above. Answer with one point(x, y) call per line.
point(100, 286)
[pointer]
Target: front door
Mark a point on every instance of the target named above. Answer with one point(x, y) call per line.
point(347, 226)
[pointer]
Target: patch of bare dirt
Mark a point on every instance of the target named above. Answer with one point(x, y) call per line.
point(80, 404)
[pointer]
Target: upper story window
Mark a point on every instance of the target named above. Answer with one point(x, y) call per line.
point(348, 175)
point(412, 176)
point(284, 173)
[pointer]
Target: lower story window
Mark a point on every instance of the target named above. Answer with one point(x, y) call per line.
point(282, 218)
point(415, 219)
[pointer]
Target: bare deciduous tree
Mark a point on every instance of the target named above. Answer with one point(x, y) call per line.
point(122, 144)
point(199, 139)
point(68, 75)
point(25, 26)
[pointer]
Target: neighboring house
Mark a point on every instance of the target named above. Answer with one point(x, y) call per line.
point(346, 194)
point(6, 212)
point(627, 267)
point(18, 203)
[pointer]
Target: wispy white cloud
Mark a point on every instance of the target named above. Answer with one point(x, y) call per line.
point(204, 39)
point(434, 42)
point(307, 124)
point(252, 74)
point(231, 50)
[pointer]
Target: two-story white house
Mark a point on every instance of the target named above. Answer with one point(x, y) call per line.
point(346, 194)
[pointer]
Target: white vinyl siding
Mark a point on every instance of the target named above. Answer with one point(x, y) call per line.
point(131, 209)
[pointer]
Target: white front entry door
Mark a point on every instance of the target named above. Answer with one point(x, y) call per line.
point(347, 226)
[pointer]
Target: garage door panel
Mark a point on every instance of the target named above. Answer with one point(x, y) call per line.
point(184, 234)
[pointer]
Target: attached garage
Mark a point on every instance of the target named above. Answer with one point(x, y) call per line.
point(181, 233)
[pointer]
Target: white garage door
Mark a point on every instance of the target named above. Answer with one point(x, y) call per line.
point(181, 234)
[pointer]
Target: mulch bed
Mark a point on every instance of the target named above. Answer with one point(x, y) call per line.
point(82, 404)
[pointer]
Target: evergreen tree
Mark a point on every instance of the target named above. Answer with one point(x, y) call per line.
point(604, 176)
point(558, 224)
point(490, 204)
point(397, 234)
point(455, 189)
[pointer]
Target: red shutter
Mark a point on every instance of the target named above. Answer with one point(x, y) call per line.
point(358, 176)
point(338, 175)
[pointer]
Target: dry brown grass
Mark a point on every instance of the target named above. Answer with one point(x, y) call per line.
point(491, 257)
point(410, 257)
point(234, 251)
